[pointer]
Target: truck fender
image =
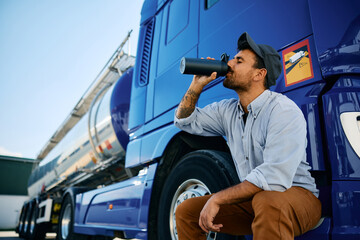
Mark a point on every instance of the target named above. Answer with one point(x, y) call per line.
point(72, 191)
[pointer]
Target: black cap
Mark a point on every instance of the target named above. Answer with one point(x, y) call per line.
point(269, 55)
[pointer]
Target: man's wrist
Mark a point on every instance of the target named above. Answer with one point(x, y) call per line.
point(237, 193)
point(216, 198)
point(196, 87)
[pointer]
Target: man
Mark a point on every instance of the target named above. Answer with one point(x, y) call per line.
point(266, 134)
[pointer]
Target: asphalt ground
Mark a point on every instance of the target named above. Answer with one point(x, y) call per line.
point(10, 235)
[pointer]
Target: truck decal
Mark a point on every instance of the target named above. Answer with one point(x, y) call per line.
point(297, 63)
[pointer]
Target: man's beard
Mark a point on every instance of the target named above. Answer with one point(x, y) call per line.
point(242, 87)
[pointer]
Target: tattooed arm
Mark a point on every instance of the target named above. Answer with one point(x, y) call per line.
point(188, 102)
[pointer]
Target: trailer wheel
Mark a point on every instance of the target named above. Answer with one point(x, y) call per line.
point(27, 219)
point(35, 231)
point(22, 220)
point(66, 222)
point(197, 174)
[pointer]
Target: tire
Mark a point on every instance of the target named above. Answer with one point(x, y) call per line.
point(35, 231)
point(25, 228)
point(22, 220)
point(66, 222)
point(198, 173)
point(20, 223)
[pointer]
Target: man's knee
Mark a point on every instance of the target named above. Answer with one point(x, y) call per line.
point(186, 209)
point(190, 209)
point(181, 210)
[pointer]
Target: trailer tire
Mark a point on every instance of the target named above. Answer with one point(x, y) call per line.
point(66, 222)
point(35, 231)
point(22, 220)
point(197, 173)
point(27, 220)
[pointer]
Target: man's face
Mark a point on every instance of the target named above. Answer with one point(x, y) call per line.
point(242, 71)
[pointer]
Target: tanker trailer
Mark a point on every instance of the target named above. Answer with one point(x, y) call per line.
point(86, 152)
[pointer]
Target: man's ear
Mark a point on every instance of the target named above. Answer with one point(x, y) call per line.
point(260, 74)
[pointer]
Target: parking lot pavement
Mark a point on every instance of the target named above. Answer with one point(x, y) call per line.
point(10, 235)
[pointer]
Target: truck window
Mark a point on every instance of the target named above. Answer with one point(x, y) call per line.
point(179, 32)
point(178, 18)
point(210, 3)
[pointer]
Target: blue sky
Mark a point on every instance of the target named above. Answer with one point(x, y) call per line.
point(50, 52)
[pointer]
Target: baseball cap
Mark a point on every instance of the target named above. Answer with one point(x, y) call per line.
point(269, 55)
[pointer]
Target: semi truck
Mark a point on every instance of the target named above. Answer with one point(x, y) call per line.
point(118, 167)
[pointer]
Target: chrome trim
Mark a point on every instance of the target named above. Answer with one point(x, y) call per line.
point(65, 222)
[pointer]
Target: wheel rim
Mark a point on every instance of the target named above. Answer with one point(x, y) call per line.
point(189, 189)
point(65, 222)
point(32, 222)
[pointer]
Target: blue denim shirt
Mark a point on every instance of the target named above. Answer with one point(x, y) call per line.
point(270, 149)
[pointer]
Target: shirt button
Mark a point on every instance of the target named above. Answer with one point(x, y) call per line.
point(247, 158)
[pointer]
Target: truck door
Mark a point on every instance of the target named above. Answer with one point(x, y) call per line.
point(178, 37)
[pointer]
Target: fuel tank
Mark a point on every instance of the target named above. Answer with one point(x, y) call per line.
point(93, 144)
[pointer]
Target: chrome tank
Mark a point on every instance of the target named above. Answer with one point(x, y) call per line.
point(99, 137)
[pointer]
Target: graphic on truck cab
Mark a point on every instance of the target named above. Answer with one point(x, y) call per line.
point(297, 63)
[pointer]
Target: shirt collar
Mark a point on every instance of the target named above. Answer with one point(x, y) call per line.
point(256, 105)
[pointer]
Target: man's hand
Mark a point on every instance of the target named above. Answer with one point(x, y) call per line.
point(238, 193)
point(207, 216)
point(200, 80)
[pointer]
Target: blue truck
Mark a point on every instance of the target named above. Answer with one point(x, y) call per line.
point(118, 167)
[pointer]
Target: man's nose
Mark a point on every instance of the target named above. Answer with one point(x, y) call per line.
point(230, 63)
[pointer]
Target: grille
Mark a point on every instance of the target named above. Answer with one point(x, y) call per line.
point(145, 61)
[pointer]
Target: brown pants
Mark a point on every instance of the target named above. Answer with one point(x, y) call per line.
point(269, 215)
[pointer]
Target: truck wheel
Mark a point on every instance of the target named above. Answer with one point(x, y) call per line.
point(27, 219)
point(35, 231)
point(197, 174)
point(22, 221)
point(66, 222)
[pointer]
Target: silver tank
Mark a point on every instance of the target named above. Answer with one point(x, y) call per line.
point(88, 147)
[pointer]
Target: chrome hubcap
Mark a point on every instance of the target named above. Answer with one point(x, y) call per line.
point(65, 222)
point(189, 189)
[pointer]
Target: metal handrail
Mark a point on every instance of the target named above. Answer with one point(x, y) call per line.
point(82, 107)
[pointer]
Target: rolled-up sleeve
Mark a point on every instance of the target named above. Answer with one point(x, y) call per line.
point(283, 151)
point(207, 121)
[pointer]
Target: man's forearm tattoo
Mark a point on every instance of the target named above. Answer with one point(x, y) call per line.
point(187, 104)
